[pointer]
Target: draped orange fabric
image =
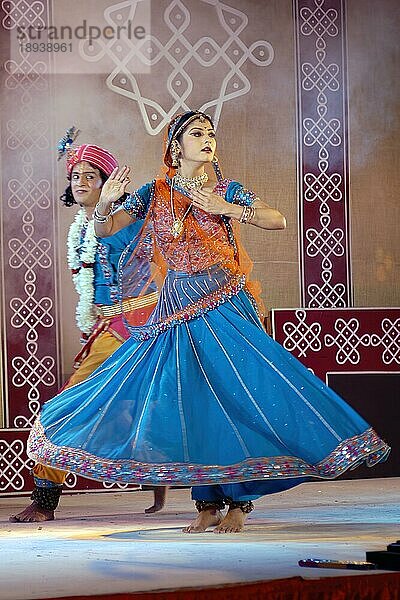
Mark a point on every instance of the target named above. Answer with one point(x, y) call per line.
point(203, 243)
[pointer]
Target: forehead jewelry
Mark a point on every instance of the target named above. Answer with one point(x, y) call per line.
point(175, 134)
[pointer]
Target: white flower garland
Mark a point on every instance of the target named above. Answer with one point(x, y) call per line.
point(80, 254)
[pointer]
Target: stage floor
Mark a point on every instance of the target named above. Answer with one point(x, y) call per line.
point(103, 543)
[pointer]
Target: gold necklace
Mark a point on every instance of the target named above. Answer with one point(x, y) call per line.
point(177, 224)
point(190, 183)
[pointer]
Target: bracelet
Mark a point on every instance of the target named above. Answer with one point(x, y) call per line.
point(247, 214)
point(98, 217)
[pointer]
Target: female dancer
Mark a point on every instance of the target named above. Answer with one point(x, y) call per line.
point(200, 395)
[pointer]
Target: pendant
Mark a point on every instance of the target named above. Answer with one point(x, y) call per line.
point(177, 228)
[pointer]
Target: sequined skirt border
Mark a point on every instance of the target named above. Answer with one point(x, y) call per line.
point(366, 448)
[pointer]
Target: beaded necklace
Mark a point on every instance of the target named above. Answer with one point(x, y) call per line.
point(188, 184)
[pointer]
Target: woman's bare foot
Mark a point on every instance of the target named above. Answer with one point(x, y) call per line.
point(233, 521)
point(160, 495)
point(205, 518)
point(33, 514)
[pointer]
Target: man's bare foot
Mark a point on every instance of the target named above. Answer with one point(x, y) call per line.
point(33, 514)
point(160, 494)
point(205, 518)
point(233, 522)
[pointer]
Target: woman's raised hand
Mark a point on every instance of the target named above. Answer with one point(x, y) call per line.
point(115, 186)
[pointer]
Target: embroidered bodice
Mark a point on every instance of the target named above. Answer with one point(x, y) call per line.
point(206, 239)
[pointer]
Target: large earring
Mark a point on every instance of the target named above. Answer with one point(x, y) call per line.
point(175, 151)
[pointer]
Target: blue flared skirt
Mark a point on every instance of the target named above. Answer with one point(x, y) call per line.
point(210, 400)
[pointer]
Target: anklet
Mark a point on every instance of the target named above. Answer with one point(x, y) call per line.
point(245, 507)
point(47, 497)
point(209, 504)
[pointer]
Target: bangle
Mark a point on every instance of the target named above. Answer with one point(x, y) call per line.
point(251, 216)
point(247, 214)
point(98, 217)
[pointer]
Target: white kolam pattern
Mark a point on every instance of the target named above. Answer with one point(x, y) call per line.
point(349, 338)
point(321, 127)
point(189, 63)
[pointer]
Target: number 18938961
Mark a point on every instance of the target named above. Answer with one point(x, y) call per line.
point(46, 46)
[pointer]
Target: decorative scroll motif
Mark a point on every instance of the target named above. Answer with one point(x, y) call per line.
point(26, 134)
point(30, 255)
point(391, 341)
point(323, 153)
point(348, 339)
point(23, 13)
point(302, 337)
point(185, 56)
point(13, 464)
point(366, 339)
point(30, 337)
point(72, 482)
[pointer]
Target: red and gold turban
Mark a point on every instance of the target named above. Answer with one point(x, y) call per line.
point(98, 157)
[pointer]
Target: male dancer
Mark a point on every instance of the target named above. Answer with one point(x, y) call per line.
point(94, 267)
